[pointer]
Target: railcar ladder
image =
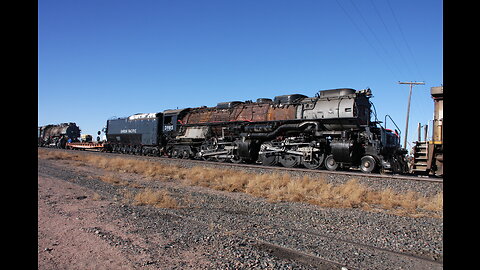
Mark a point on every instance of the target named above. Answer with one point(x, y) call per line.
point(420, 157)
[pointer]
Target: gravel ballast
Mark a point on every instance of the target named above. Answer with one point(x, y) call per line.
point(223, 230)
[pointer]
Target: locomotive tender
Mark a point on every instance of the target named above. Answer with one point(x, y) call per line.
point(333, 129)
point(137, 134)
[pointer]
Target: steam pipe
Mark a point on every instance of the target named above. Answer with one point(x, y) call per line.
point(269, 135)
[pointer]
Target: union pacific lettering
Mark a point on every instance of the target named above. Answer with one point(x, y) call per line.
point(132, 130)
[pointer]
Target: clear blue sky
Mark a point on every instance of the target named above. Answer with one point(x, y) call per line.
point(98, 59)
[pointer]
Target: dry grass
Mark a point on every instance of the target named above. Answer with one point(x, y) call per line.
point(54, 155)
point(274, 187)
point(157, 198)
point(219, 179)
point(111, 179)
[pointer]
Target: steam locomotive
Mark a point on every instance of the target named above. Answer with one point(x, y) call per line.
point(58, 135)
point(332, 130)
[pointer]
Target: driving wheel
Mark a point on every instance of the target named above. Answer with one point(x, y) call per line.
point(367, 164)
point(330, 163)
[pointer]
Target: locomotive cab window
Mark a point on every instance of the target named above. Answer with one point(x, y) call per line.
point(169, 123)
point(168, 120)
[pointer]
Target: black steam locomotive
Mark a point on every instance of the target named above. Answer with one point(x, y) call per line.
point(58, 135)
point(332, 130)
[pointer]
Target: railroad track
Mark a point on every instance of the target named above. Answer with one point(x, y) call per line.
point(348, 173)
point(285, 169)
point(318, 261)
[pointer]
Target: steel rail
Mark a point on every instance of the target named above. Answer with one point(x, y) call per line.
point(278, 168)
point(392, 252)
point(289, 253)
point(352, 173)
point(305, 257)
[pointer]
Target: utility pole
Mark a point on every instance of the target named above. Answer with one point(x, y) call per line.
point(408, 108)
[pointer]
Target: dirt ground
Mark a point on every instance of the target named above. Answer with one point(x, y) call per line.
point(71, 235)
point(64, 215)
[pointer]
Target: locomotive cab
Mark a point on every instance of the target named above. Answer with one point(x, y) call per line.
point(168, 123)
point(171, 120)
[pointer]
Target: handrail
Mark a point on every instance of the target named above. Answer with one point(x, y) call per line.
point(398, 129)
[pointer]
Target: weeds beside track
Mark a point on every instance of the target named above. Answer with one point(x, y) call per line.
point(272, 186)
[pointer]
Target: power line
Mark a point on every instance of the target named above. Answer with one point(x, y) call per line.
point(366, 39)
point(404, 39)
point(375, 36)
point(390, 34)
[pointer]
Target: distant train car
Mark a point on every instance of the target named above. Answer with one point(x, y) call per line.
point(86, 138)
point(137, 134)
point(58, 135)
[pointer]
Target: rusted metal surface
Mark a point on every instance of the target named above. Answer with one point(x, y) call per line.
point(285, 112)
point(254, 112)
point(222, 115)
point(251, 112)
point(198, 116)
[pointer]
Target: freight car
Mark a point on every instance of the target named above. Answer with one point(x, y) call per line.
point(58, 135)
point(333, 130)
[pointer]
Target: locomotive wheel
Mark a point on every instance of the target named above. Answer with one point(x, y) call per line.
point(209, 146)
point(236, 159)
point(316, 162)
point(208, 159)
point(368, 164)
point(268, 160)
point(330, 163)
point(290, 161)
point(185, 154)
point(175, 153)
point(221, 159)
